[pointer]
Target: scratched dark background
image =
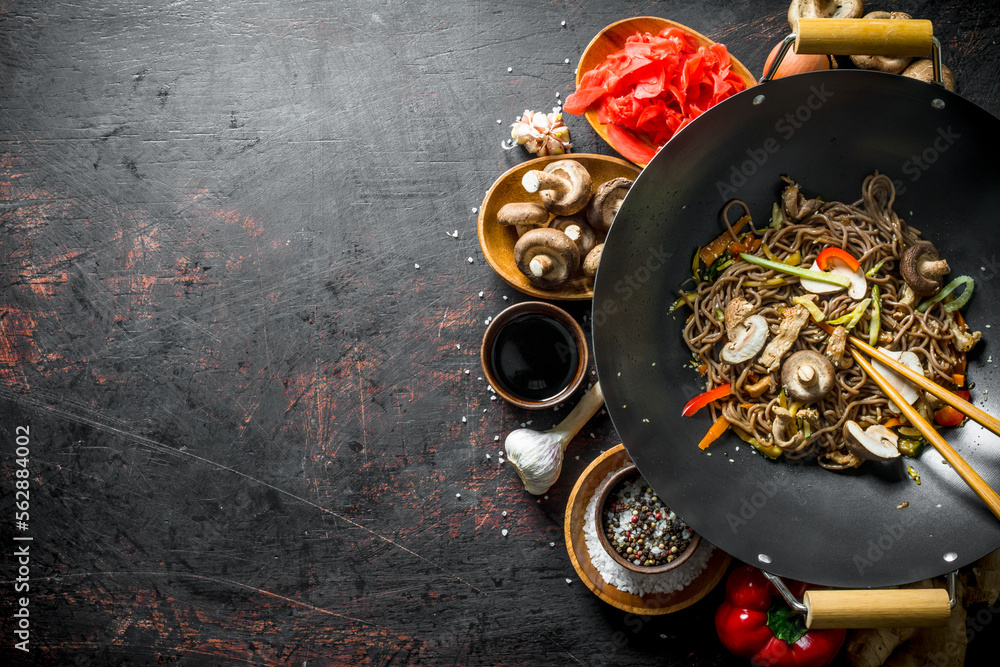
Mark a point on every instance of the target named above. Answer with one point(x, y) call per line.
point(253, 439)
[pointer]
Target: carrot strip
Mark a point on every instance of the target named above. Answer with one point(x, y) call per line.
point(720, 426)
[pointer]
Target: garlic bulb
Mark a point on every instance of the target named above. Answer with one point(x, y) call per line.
point(537, 456)
point(541, 134)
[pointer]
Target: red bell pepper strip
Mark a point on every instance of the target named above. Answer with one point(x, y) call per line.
point(753, 625)
point(700, 401)
point(829, 253)
point(949, 416)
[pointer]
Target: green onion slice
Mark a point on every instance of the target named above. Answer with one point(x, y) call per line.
point(781, 267)
point(955, 303)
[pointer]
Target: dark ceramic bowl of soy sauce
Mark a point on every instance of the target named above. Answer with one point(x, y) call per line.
point(534, 355)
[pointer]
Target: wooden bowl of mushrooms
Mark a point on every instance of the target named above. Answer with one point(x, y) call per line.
point(542, 224)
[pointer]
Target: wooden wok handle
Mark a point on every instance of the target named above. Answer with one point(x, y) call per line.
point(869, 37)
point(887, 608)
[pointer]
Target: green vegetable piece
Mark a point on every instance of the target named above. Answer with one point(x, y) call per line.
point(875, 326)
point(872, 272)
point(957, 302)
point(850, 319)
point(781, 267)
point(910, 446)
point(776, 216)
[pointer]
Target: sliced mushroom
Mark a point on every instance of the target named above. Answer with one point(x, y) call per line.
point(906, 389)
point(565, 186)
point(779, 429)
point(923, 70)
point(592, 260)
point(547, 257)
point(606, 201)
point(922, 268)
point(808, 376)
point(792, 321)
point(875, 443)
point(857, 289)
point(576, 228)
point(824, 9)
point(522, 215)
point(749, 340)
point(890, 64)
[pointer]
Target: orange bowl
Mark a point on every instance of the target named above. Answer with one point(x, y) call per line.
point(497, 241)
point(612, 39)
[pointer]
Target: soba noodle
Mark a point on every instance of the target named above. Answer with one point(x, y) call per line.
point(872, 232)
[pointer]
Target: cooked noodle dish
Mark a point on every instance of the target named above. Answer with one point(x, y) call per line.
point(772, 309)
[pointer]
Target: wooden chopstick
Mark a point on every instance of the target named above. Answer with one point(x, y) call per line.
point(949, 397)
point(965, 471)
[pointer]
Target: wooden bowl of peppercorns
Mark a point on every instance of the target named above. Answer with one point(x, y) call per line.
point(637, 529)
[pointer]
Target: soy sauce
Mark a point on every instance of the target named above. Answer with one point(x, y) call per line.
point(534, 357)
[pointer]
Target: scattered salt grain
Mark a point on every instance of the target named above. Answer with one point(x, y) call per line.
point(487, 457)
point(566, 61)
point(504, 532)
point(510, 69)
point(504, 297)
point(499, 121)
point(500, 460)
point(474, 210)
point(552, 544)
point(458, 346)
point(471, 260)
point(569, 581)
point(464, 420)
point(480, 295)
point(493, 397)
point(495, 438)
point(458, 495)
point(563, 24)
point(416, 266)
point(466, 371)
point(504, 513)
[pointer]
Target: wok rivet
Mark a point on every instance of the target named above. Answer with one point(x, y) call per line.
point(951, 556)
point(764, 558)
point(758, 99)
point(937, 103)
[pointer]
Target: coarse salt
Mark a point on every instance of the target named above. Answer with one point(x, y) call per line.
point(504, 532)
point(633, 582)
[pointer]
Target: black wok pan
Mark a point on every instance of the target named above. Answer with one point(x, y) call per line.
point(826, 130)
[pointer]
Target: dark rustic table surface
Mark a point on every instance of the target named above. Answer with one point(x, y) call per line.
point(257, 432)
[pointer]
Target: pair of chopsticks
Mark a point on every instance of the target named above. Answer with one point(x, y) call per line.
point(965, 471)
